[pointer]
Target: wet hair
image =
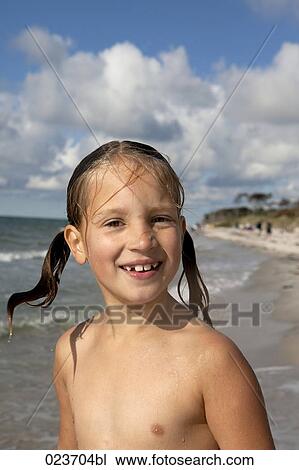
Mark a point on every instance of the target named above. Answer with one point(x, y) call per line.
point(144, 158)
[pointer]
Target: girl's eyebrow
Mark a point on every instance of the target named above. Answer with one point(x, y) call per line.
point(121, 210)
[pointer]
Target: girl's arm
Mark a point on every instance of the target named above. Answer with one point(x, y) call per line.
point(63, 359)
point(234, 403)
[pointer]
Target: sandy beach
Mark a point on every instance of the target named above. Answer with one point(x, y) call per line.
point(262, 317)
point(280, 241)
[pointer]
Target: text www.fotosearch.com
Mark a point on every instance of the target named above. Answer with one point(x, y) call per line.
point(159, 460)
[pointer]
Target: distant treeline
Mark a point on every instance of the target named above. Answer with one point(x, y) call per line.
point(283, 213)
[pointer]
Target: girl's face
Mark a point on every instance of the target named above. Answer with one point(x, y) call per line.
point(134, 223)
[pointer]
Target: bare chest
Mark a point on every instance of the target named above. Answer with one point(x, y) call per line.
point(138, 398)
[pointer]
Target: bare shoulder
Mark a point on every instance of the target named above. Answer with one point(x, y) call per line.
point(215, 348)
point(234, 404)
point(221, 363)
point(74, 331)
point(63, 341)
point(63, 344)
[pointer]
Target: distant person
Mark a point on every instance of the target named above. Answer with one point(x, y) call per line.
point(269, 228)
point(259, 227)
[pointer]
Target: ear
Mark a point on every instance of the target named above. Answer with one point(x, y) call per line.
point(75, 241)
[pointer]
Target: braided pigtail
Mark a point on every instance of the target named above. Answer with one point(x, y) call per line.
point(53, 265)
point(198, 292)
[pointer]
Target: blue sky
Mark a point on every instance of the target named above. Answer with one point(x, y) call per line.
point(209, 30)
point(207, 45)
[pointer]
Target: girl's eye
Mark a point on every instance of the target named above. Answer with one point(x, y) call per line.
point(111, 224)
point(163, 218)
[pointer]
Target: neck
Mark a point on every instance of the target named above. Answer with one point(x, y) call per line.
point(133, 320)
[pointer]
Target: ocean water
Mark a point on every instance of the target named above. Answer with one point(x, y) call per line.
point(28, 408)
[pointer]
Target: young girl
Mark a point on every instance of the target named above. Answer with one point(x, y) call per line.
point(146, 372)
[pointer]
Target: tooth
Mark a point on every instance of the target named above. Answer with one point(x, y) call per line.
point(138, 268)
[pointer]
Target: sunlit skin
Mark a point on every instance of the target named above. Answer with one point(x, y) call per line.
point(147, 385)
point(134, 230)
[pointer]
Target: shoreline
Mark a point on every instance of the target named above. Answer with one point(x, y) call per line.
point(281, 242)
point(274, 287)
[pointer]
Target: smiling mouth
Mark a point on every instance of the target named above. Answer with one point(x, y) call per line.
point(132, 269)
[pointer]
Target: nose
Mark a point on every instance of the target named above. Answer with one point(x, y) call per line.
point(142, 239)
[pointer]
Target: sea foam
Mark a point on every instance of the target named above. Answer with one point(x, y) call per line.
point(9, 256)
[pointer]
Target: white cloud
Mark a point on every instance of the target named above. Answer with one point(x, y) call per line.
point(124, 94)
point(119, 90)
point(68, 157)
point(40, 182)
point(267, 95)
point(34, 41)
